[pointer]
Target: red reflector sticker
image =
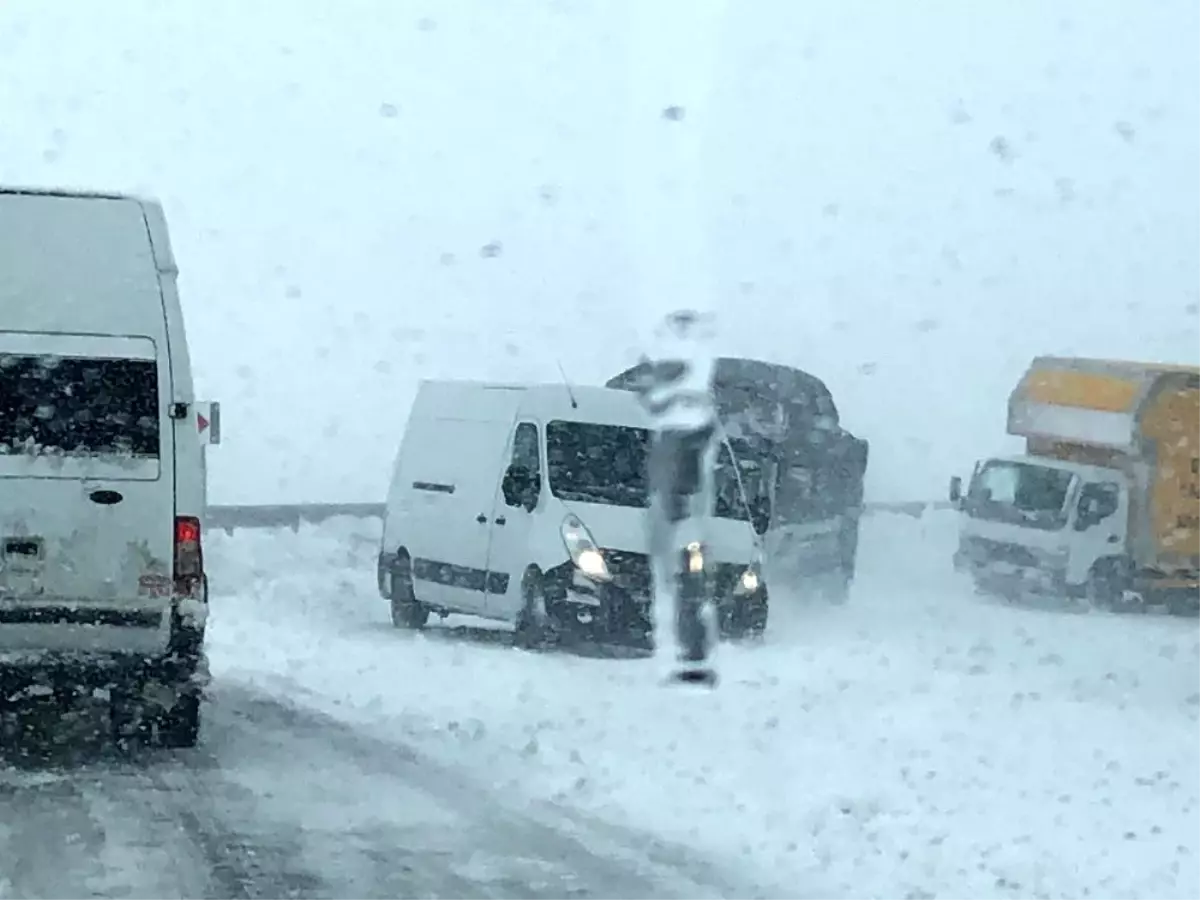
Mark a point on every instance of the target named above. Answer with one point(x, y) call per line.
point(154, 586)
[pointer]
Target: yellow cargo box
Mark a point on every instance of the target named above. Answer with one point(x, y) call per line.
point(1143, 418)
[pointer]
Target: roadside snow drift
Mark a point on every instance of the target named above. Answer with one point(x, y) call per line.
point(918, 742)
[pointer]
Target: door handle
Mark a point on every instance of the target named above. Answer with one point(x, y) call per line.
point(481, 518)
point(1113, 539)
point(501, 520)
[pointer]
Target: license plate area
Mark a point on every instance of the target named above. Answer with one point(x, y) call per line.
point(23, 553)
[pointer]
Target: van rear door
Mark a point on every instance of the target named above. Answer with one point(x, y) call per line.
point(87, 482)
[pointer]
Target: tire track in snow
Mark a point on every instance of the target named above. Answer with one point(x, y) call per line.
point(139, 822)
point(69, 834)
point(514, 852)
point(282, 802)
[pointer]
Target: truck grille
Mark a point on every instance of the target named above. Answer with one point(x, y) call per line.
point(983, 550)
point(630, 571)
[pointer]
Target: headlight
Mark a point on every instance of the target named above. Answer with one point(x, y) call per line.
point(750, 580)
point(582, 549)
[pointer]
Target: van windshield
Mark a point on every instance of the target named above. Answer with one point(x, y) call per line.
point(1025, 494)
point(75, 406)
point(591, 463)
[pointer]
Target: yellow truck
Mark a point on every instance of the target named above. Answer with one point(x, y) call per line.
point(1104, 505)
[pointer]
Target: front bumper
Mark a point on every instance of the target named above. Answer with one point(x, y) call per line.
point(623, 606)
point(1011, 568)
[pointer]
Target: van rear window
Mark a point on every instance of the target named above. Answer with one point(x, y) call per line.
point(74, 406)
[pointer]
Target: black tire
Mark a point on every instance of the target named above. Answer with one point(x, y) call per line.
point(748, 619)
point(179, 726)
point(532, 628)
point(407, 611)
point(1105, 587)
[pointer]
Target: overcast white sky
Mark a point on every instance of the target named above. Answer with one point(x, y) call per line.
point(909, 200)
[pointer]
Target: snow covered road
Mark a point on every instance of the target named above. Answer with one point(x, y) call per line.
point(919, 741)
point(282, 802)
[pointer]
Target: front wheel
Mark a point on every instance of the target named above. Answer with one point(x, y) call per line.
point(748, 618)
point(407, 610)
point(1107, 588)
point(532, 628)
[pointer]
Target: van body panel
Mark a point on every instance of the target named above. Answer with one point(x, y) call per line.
point(446, 477)
point(446, 507)
point(94, 468)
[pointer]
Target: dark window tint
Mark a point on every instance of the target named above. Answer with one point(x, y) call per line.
point(78, 406)
point(526, 452)
point(730, 504)
point(1096, 503)
point(591, 463)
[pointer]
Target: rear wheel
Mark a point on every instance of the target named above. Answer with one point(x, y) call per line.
point(135, 715)
point(407, 610)
point(179, 726)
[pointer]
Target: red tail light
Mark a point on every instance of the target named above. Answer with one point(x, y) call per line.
point(189, 560)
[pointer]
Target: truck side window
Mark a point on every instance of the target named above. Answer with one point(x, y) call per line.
point(1096, 503)
point(526, 452)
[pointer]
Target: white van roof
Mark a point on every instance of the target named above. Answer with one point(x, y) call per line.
point(500, 401)
point(82, 262)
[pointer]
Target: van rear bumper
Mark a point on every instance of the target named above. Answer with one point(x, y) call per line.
point(84, 627)
point(92, 644)
point(89, 671)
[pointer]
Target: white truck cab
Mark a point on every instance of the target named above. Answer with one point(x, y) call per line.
point(1104, 503)
point(102, 470)
point(1044, 520)
point(527, 504)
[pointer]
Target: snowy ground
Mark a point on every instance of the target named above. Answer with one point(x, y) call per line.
point(917, 742)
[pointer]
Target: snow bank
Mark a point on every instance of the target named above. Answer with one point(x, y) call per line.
point(917, 742)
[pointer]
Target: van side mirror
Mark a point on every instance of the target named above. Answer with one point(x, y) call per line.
point(760, 514)
point(1089, 513)
point(520, 488)
point(955, 489)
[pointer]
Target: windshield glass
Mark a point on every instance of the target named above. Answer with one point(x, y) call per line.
point(591, 463)
point(1025, 494)
point(729, 502)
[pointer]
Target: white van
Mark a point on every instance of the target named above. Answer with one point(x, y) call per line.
point(527, 504)
point(102, 472)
